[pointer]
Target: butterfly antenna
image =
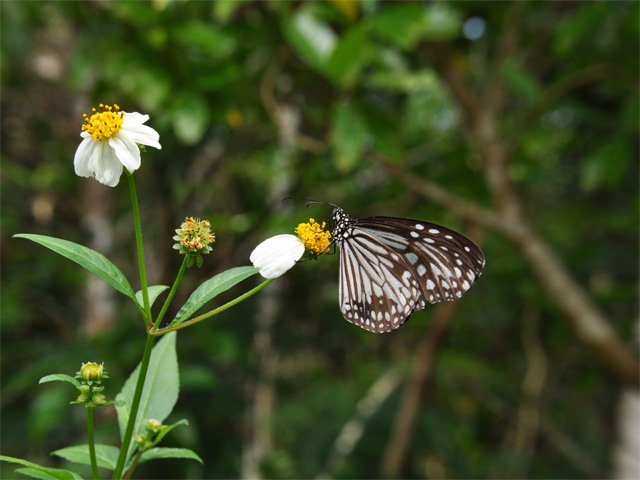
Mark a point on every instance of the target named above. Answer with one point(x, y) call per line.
point(310, 202)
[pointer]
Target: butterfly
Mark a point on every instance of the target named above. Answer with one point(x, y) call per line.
point(391, 267)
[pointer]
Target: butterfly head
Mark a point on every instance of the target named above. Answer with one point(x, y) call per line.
point(343, 222)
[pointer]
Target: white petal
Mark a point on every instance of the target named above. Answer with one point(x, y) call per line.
point(134, 118)
point(82, 159)
point(277, 254)
point(107, 166)
point(132, 124)
point(126, 150)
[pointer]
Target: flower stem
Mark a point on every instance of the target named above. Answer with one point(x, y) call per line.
point(135, 404)
point(172, 292)
point(215, 311)
point(138, 228)
point(91, 442)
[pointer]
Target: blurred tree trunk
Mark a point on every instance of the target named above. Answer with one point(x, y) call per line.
point(261, 393)
point(626, 461)
point(97, 219)
point(406, 416)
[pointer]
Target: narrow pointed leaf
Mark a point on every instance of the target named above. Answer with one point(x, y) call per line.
point(37, 471)
point(106, 455)
point(166, 429)
point(45, 475)
point(160, 391)
point(60, 377)
point(209, 289)
point(155, 453)
point(93, 261)
point(153, 294)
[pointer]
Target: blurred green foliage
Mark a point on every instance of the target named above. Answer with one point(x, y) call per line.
point(258, 100)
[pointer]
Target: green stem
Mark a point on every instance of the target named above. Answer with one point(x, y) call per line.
point(215, 311)
point(135, 404)
point(138, 228)
point(172, 292)
point(92, 447)
point(134, 464)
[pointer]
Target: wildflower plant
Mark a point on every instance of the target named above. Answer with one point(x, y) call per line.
point(112, 142)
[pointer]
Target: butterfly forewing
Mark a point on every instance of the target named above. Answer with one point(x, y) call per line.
point(446, 262)
point(391, 267)
point(378, 290)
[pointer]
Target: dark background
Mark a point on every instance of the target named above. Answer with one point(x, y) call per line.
point(515, 123)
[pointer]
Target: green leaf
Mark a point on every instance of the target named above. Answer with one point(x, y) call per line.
point(201, 36)
point(312, 38)
point(349, 137)
point(224, 9)
point(387, 134)
point(405, 24)
point(209, 289)
point(406, 81)
point(520, 81)
point(106, 455)
point(38, 471)
point(606, 164)
point(166, 429)
point(160, 391)
point(93, 261)
point(153, 294)
point(155, 453)
point(588, 20)
point(353, 53)
point(163, 431)
point(60, 377)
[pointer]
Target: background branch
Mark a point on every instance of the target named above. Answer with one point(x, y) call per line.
point(353, 430)
point(406, 416)
point(590, 324)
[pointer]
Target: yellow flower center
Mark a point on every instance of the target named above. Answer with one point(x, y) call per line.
point(105, 123)
point(314, 236)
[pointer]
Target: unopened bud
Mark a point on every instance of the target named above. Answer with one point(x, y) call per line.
point(91, 371)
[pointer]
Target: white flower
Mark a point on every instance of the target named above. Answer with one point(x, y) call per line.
point(277, 254)
point(110, 142)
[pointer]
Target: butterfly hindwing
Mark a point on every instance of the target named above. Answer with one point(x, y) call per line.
point(378, 290)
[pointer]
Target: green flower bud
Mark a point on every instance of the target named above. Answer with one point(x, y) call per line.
point(140, 438)
point(153, 425)
point(91, 371)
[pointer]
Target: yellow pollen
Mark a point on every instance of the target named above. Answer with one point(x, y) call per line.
point(105, 123)
point(314, 236)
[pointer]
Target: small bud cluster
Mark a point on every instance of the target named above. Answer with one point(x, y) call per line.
point(194, 238)
point(91, 375)
point(150, 437)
